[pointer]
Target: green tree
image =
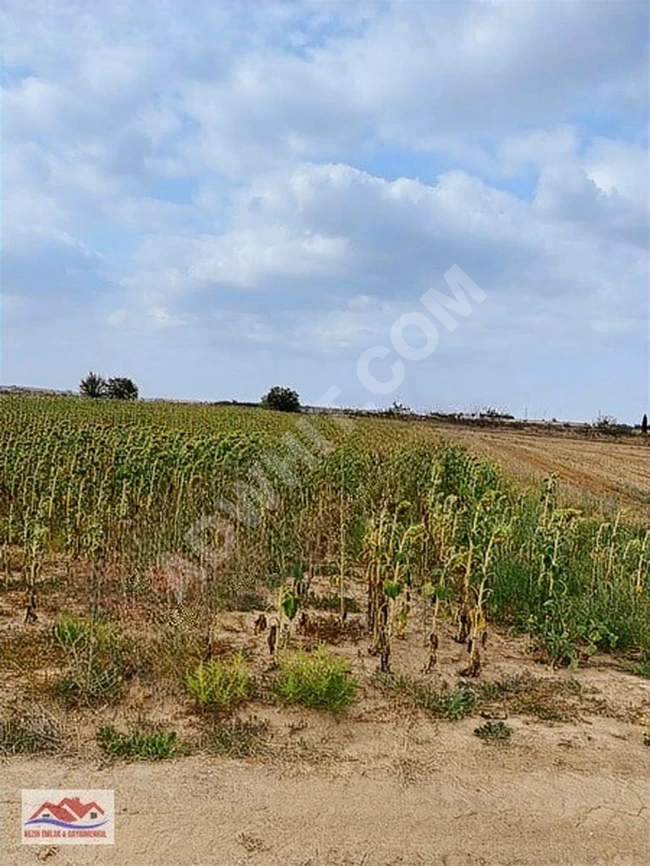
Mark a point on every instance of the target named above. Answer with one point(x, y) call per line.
point(121, 388)
point(281, 399)
point(644, 425)
point(93, 385)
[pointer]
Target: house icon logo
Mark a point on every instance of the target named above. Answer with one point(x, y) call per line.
point(68, 817)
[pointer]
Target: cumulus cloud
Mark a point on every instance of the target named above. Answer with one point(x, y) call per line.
point(289, 176)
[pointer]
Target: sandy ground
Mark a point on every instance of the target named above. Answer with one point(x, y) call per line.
point(553, 796)
point(381, 786)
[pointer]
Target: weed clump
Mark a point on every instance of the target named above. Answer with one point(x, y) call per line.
point(641, 669)
point(220, 685)
point(548, 700)
point(137, 745)
point(445, 703)
point(238, 738)
point(316, 680)
point(493, 732)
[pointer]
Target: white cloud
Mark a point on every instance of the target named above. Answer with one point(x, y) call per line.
point(203, 170)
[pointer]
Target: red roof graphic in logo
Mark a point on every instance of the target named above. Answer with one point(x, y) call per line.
point(68, 810)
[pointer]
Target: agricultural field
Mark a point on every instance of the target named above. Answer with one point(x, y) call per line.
point(601, 473)
point(286, 608)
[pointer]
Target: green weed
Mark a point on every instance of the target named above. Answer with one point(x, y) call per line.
point(493, 732)
point(453, 704)
point(155, 746)
point(316, 680)
point(641, 669)
point(220, 685)
point(96, 660)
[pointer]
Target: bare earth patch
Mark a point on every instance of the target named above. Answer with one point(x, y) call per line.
point(385, 784)
point(421, 796)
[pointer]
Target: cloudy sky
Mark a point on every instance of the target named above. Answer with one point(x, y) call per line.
point(215, 197)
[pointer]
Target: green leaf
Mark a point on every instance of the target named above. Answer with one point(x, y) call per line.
point(392, 588)
point(289, 603)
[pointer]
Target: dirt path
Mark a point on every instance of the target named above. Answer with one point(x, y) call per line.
point(564, 794)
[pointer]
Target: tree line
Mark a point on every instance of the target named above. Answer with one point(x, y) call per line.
point(279, 398)
point(116, 388)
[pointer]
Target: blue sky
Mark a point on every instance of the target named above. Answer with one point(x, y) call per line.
point(213, 198)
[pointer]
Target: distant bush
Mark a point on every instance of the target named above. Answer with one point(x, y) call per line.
point(121, 388)
point(93, 385)
point(397, 410)
point(282, 400)
point(117, 388)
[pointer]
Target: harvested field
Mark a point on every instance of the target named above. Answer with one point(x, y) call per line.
point(606, 472)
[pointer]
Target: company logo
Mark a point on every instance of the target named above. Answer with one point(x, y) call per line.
point(84, 817)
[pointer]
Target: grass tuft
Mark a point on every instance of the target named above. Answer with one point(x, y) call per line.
point(545, 699)
point(641, 669)
point(453, 704)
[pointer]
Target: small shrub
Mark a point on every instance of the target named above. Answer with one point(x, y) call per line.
point(121, 388)
point(91, 684)
point(155, 746)
point(238, 738)
point(459, 703)
point(175, 648)
point(220, 685)
point(316, 680)
point(493, 732)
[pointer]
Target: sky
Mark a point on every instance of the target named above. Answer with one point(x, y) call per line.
point(216, 197)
